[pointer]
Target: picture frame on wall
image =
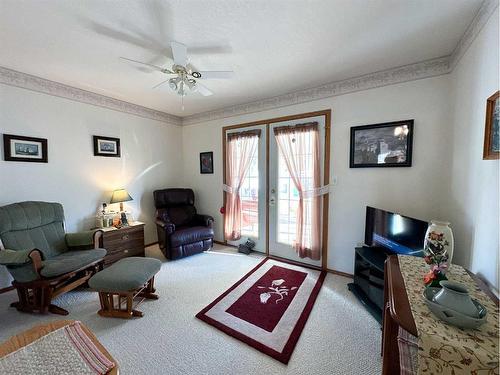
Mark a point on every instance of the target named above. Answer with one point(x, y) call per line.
point(387, 144)
point(206, 162)
point(491, 148)
point(106, 146)
point(26, 149)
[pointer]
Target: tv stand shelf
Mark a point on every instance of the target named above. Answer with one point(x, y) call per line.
point(368, 285)
point(376, 256)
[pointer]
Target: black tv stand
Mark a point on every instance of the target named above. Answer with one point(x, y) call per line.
point(368, 285)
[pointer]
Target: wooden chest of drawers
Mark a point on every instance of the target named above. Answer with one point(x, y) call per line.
point(124, 242)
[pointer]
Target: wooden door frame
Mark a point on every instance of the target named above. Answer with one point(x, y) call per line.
point(326, 173)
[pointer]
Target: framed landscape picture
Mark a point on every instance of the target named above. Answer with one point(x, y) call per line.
point(206, 162)
point(382, 145)
point(21, 148)
point(106, 146)
point(491, 148)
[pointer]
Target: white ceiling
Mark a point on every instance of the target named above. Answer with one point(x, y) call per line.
point(274, 47)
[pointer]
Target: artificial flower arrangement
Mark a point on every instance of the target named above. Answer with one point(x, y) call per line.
point(436, 273)
point(437, 258)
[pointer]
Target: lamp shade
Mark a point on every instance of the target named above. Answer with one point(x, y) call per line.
point(119, 196)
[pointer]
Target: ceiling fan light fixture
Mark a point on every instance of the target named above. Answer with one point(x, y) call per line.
point(181, 90)
point(172, 83)
point(191, 83)
point(185, 80)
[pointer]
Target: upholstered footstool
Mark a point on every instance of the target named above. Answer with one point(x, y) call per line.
point(128, 279)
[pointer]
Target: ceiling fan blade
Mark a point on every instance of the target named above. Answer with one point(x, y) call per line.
point(161, 83)
point(190, 67)
point(156, 67)
point(203, 90)
point(216, 75)
point(179, 51)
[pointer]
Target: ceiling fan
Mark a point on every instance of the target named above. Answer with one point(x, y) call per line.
point(184, 77)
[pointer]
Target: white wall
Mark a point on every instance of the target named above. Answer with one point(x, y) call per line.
point(474, 183)
point(417, 191)
point(151, 154)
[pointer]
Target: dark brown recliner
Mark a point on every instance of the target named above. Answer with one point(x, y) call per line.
point(181, 231)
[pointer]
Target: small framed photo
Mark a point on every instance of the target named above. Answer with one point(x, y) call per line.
point(106, 146)
point(491, 148)
point(382, 145)
point(206, 162)
point(21, 148)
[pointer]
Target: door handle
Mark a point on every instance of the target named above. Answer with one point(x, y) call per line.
point(272, 201)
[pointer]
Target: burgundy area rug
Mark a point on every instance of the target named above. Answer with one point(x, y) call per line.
point(268, 307)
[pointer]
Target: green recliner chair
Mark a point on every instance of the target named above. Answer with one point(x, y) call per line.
point(44, 260)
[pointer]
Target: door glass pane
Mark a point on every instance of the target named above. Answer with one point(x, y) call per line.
point(288, 197)
point(249, 194)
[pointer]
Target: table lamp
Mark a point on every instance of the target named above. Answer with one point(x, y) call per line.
point(120, 196)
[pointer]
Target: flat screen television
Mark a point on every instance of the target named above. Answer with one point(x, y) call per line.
point(400, 234)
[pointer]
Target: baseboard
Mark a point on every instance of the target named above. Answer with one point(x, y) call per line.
point(7, 289)
point(225, 244)
point(340, 273)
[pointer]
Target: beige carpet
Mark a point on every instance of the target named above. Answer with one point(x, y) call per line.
point(340, 337)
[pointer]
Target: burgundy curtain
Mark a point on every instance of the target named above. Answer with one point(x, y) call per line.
point(300, 147)
point(240, 148)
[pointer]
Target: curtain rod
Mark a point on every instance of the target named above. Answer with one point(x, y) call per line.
point(246, 133)
point(297, 126)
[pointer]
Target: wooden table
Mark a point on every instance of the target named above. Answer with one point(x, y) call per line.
point(397, 313)
point(27, 337)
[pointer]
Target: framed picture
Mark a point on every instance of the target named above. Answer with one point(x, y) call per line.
point(382, 145)
point(491, 148)
point(21, 148)
point(106, 146)
point(206, 162)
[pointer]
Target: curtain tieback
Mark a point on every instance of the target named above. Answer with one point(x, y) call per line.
point(306, 194)
point(230, 189)
point(316, 192)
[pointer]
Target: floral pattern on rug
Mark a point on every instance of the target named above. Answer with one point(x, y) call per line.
point(275, 288)
point(445, 349)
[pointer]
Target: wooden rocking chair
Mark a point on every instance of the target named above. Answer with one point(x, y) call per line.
point(44, 261)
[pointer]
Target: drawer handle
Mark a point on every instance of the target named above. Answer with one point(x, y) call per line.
point(125, 251)
point(125, 237)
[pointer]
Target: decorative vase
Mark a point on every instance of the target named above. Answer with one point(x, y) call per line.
point(438, 243)
point(456, 297)
point(438, 252)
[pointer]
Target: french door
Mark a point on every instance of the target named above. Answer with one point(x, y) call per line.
point(284, 196)
point(253, 194)
point(269, 197)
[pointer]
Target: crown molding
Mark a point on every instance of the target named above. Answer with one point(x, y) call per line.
point(424, 69)
point(480, 19)
point(412, 72)
point(27, 81)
